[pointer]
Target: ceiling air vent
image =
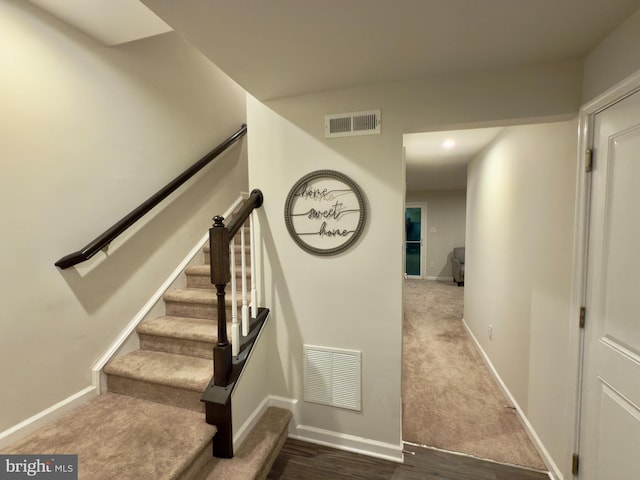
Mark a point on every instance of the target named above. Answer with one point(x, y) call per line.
point(351, 124)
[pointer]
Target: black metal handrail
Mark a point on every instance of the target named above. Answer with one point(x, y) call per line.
point(112, 233)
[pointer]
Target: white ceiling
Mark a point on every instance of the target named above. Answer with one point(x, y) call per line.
point(432, 165)
point(281, 48)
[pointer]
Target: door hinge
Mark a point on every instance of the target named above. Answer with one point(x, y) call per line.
point(583, 316)
point(588, 164)
point(575, 463)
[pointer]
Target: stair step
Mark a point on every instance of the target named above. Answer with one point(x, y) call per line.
point(255, 457)
point(237, 238)
point(199, 276)
point(237, 247)
point(238, 250)
point(207, 259)
point(117, 436)
point(180, 335)
point(197, 303)
point(168, 378)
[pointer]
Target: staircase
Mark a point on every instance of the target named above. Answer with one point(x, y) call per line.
point(175, 361)
point(151, 423)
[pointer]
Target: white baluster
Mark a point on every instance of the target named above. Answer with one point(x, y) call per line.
point(235, 326)
point(245, 307)
point(254, 292)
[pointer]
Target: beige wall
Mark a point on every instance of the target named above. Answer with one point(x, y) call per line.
point(446, 214)
point(520, 208)
point(351, 300)
point(613, 59)
point(86, 134)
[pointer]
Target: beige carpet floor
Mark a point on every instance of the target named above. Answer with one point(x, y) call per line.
point(450, 399)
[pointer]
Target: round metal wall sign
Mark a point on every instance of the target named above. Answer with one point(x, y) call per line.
point(325, 212)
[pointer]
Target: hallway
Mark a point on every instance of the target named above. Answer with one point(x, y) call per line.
point(450, 399)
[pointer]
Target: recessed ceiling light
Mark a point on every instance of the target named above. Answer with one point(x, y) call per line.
point(449, 143)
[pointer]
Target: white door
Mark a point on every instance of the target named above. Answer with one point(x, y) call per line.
point(414, 248)
point(610, 406)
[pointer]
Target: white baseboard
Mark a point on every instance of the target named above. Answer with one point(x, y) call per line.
point(350, 443)
point(340, 441)
point(45, 417)
point(291, 405)
point(440, 279)
point(554, 471)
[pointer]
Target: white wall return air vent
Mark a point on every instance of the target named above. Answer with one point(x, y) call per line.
point(352, 124)
point(333, 377)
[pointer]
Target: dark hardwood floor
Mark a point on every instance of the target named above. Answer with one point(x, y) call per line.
point(304, 461)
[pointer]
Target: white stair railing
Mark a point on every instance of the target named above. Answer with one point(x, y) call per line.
point(254, 292)
point(249, 301)
point(235, 326)
point(245, 307)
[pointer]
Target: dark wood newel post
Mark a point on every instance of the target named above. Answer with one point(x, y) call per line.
point(220, 275)
point(226, 367)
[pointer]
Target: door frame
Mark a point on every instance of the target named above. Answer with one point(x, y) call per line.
point(423, 240)
point(586, 121)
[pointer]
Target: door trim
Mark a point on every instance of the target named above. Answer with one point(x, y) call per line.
point(586, 120)
point(423, 239)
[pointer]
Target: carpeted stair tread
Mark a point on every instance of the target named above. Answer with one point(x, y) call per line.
point(178, 371)
point(186, 328)
point(254, 458)
point(116, 436)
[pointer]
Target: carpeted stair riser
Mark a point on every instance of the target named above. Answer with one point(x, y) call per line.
point(238, 252)
point(177, 380)
point(207, 260)
point(199, 276)
point(198, 303)
point(194, 310)
point(153, 392)
point(199, 466)
point(178, 346)
point(255, 457)
point(238, 240)
point(180, 335)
